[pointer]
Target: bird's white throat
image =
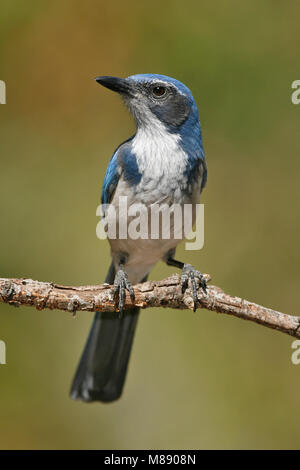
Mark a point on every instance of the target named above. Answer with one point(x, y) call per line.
point(158, 151)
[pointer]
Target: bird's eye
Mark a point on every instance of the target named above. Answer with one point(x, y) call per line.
point(159, 91)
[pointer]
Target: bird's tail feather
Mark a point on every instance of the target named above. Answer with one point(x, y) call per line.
point(102, 368)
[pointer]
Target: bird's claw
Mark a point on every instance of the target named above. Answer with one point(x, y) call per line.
point(121, 284)
point(189, 273)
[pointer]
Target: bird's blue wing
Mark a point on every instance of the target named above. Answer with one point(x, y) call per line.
point(123, 162)
point(111, 179)
point(196, 166)
point(204, 176)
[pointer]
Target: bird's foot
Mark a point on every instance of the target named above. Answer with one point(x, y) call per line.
point(189, 273)
point(121, 284)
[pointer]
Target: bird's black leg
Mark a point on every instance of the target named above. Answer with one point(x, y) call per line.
point(189, 273)
point(121, 283)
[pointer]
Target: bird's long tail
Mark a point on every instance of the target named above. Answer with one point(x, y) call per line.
point(102, 368)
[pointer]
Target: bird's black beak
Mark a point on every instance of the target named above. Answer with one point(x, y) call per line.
point(120, 85)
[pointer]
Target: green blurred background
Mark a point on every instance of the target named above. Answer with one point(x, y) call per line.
point(196, 380)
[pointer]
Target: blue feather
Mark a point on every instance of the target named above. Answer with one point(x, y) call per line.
point(111, 179)
point(128, 163)
point(123, 162)
point(191, 143)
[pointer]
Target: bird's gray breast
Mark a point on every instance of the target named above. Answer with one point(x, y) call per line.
point(161, 164)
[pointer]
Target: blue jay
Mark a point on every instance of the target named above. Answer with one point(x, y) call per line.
point(163, 161)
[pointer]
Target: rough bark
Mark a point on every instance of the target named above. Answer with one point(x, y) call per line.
point(165, 293)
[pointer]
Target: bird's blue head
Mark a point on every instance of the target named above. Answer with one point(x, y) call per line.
point(155, 100)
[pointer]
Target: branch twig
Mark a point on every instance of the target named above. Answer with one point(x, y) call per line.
point(165, 293)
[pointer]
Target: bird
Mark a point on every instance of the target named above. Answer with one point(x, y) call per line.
point(164, 161)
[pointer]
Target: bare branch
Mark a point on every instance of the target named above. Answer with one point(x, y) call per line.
point(165, 293)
